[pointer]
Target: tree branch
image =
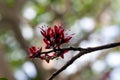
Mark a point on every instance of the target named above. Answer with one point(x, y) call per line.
point(87, 50)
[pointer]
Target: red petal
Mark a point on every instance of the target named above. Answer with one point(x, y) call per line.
point(62, 35)
point(61, 30)
point(39, 50)
point(62, 56)
point(55, 54)
point(33, 48)
point(52, 33)
point(49, 30)
point(47, 61)
point(45, 41)
point(67, 39)
point(56, 29)
point(43, 33)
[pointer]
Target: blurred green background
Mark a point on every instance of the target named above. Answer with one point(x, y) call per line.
point(94, 22)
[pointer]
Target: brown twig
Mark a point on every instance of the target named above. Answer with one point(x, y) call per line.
point(62, 49)
point(87, 50)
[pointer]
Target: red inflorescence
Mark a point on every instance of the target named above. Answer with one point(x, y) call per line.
point(53, 38)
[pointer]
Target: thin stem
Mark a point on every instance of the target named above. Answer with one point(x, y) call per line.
point(80, 49)
point(85, 51)
point(55, 50)
point(63, 49)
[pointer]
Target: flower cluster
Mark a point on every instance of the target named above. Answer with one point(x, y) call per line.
point(53, 38)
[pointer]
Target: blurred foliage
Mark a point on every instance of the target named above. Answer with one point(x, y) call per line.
point(67, 12)
point(3, 79)
point(10, 3)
